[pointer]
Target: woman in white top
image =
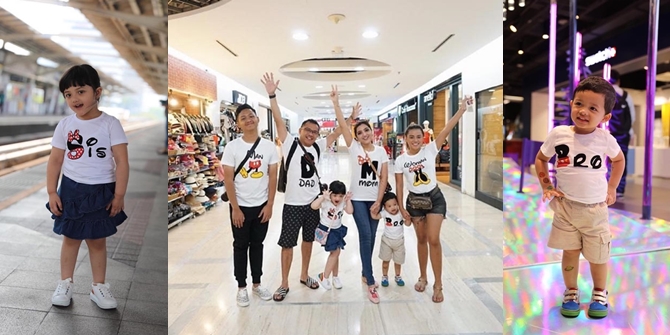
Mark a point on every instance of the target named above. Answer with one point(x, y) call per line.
point(369, 177)
point(417, 165)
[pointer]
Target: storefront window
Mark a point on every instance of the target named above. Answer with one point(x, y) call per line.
point(489, 183)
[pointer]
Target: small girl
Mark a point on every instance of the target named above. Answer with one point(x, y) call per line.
point(91, 148)
point(333, 202)
point(393, 240)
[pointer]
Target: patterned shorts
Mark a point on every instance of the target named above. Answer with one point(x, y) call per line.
point(294, 218)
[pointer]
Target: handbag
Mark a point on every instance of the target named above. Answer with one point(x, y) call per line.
point(321, 235)
point(419, 202)
point(224, 196)
point(388, 185)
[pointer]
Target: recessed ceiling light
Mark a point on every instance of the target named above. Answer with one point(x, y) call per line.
point(359, 68)
point(350, 93)
point(319, 86)
point(545, 37)
point(370, 34)
point(520, 52)
point(361, 86)
point(300, 36)
point(512, 28)
point(313, 69)
point(646, 67)
point(492, 90)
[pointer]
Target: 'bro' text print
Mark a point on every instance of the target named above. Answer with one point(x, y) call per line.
point(563, 160)
point(76, 148)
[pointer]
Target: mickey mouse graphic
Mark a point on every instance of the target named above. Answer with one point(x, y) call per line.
point(254, 165)
point(74, 145)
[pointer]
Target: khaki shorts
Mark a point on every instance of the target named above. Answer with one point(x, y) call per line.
point(579, 226)
point(392, 248)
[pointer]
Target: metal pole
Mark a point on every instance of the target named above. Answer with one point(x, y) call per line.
point(573, 55)
point(651, 94)
point(553, 12)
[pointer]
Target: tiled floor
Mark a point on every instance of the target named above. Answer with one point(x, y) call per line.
point(136, 268)
point(202, 288)
point(639, 281)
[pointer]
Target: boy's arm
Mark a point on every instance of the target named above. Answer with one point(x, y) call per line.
point(618, 165)
point(542, 168)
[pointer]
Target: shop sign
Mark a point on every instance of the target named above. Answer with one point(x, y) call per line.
point(429, 96)
point(601, 56)
point(402, 109)
point(239, 98)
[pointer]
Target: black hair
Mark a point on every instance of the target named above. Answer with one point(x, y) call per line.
point(412, 127)
point(614, 76)
point(79, 75)
point(337, 187)
point(601, 86)
point(310, 121)
point(388, 196)
point(361, 123)
point(241, 108)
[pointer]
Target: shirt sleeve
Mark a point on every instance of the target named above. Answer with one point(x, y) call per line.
point(286, 146)
point(547, 148)
point(397, 166)
point(384, 156)
point(613, 147)
point(431, 150)
point(228, 158)
point(58, 140)
point(116, 133)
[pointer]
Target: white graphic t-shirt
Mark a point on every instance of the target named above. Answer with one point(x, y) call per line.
point(88, 147)
point(364, 181)
point(331, 215)
point(302, 184)
point(580, 163)
point(251, 184)
point(393, 224)
point(418, 170)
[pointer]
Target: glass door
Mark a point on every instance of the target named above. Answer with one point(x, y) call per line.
point(454, 96)
point(490, 136)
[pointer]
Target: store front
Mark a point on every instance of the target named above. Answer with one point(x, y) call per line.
point(387, 123)
point(489, 172)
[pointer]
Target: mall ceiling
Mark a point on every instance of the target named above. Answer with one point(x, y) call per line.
point(407, 53)
point(183, 6)
point(136, 28)
point(598, 20)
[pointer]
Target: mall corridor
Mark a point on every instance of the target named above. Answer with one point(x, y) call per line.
point(136, 264)
point(202, 288)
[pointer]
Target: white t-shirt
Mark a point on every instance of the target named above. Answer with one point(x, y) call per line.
point(331, 215)
point(580, 163)
point(251, 184)
point(302, 184)
point(88, 147)
point(418, 170)
point(364, 181)
point(393, 224)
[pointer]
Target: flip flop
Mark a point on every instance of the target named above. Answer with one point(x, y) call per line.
point(282, 292)
point(310, 282)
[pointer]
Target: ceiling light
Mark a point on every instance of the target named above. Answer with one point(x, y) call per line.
point(545, 37)
point(646, 67)
point(359, 68)
point(313, 69)
point(492, 90)
point(361, 86)
point(350, 93)
point(47, 62)
point(512, 28)
point(19, 51)
point(300, 36)
point(174, 102)
point(520, 52)
point(577, 17)
point(319, 86)
point(370, 34)
point(194, 102)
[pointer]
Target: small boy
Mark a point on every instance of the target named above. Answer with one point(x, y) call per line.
point(393, 240)
point(583, 193)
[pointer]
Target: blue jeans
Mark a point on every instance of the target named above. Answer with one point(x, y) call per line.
point(367, 230)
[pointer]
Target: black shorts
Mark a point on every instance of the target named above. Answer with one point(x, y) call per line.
point(439, 204)
point(294, 218)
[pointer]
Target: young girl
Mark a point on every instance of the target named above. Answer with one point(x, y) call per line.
point(393, 240)
point(333, 203)
point(369, 176)
point(417, 166)
point(91, 148)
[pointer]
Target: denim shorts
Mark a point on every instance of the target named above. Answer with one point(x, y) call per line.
point(436, 197)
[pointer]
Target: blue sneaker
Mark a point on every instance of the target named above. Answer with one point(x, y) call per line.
point(385, 281)
point(399, 281)
point(570, 306)
point(598, 306)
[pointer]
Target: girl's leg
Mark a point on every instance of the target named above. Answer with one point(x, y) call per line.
point(97, 250)
point(330, 263)
point(336, 267)
point(433, 225)
point(68, 257)
point(422, 251)
point(385, 268)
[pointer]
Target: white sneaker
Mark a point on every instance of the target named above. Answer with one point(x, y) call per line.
point(262, 292)
point(102, 296)
point(63, 294)
point(242, 298)
point(324, 282)
point(337, 283)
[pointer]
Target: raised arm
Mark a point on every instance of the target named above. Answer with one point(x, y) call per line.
point(338, 131)
point(316, 204)
point(348, 207)
point(271, 87)
point(452, 122)
point(346, 131)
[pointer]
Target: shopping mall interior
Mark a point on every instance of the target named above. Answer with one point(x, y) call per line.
point(614, 36)
point(404, 63)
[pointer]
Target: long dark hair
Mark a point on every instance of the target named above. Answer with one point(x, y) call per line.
point(361, 123)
